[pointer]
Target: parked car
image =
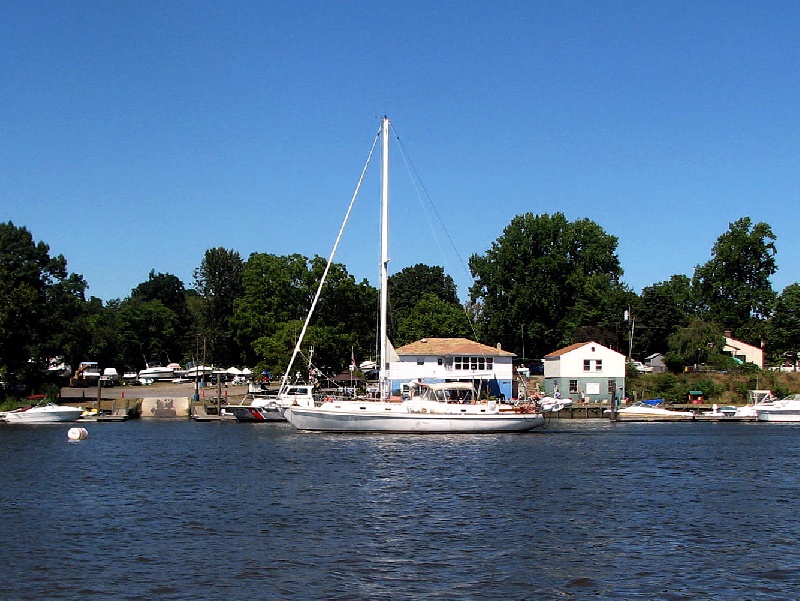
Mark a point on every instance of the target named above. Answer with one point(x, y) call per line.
point(642, 368)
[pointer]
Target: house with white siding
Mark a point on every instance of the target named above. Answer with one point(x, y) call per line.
point(454, 360)
point(746, 353)
point(585, 372)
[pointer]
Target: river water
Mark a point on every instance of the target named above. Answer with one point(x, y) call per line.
point(583, 509)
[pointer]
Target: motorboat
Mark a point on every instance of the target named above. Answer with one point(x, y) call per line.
point(442, 407)
point(42, 414)
point(728, 413)
point(265, 407)
point(783, 410)
point(651, 410)
point(156, 373)
point(554, 404)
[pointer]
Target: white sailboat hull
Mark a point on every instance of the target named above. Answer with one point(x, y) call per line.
point(368, 420)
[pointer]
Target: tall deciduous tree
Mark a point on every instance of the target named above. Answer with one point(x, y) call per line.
point(218, 280)
point(697, 343)
point(38, 302)
point(435, 318)
point(169, 290)
point(543, 275)
point(733, 288)
point(784, 326)
point(663, 308)
point(278, 292)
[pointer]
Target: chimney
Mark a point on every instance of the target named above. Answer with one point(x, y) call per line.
point(499, 347)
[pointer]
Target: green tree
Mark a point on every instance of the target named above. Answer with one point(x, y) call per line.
point(218, 281)
point(544, 275)
point(784, 326)
point(147, 330)
point(733, 288)
point(662, 309)
point(435, 318)
point(695, 344)
point(408, 285)
point(277, 295)
point(39, 301)
point(170, 291)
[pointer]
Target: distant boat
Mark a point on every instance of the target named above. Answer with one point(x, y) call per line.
point(651, 410)
point(157, 372)
point(42, 414)
point(442, 407)
point(266, 407)
point(197, 371)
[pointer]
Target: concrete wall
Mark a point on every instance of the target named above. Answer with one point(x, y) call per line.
point(166, 407)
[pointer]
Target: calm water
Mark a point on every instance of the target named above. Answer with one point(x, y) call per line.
point(585, 509)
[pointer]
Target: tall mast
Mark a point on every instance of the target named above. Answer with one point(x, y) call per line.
point(384, 358)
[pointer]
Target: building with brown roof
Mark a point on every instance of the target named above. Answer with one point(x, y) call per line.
point(454, 360)
point(586, 371)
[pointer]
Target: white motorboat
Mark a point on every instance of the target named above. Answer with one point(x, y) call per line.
point(266, 407)
point(157, 372)
point(783, 410)
point(651, 411)
point(728, 413)
point(554, 404)
point(42, 414)
point(441, 408)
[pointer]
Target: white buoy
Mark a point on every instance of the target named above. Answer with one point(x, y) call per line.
point(77, 434)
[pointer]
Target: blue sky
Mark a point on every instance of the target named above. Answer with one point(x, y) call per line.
point(136, 135)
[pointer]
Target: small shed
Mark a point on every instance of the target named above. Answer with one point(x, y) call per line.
point(696, 397)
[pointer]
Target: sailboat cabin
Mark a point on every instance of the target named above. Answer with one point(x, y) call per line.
point(490, 369)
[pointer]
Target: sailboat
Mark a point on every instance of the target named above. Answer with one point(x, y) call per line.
point(445, 407)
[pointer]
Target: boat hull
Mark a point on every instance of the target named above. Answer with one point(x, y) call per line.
point(249, 413)
point(778, 415)
point(631, 414)
point(319, 420)
point(43, 415)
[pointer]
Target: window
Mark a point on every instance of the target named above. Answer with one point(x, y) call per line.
point(440, 361)
point(598, 365)
point(573, 386)
point(420, 360)
point(473, 363)
point(612, 388)
point(587, 364)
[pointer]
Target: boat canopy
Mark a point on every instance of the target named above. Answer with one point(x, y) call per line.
point(653, 402)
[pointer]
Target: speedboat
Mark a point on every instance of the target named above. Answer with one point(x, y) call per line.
point(652, 410)
point(728, 413)
point(553, 404)
point(783, 410)
point(42, 414)
point(157, 372)
point(267, 407)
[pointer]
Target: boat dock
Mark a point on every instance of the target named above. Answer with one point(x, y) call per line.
point(595, 411)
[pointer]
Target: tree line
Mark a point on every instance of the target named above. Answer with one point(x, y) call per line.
point(546, 282)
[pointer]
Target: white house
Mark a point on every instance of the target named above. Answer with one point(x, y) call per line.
point(454, 360)
point(586, 371)
point(743, 351)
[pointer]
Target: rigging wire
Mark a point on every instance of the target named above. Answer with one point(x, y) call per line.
point(424, 197)
point(328, 264)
